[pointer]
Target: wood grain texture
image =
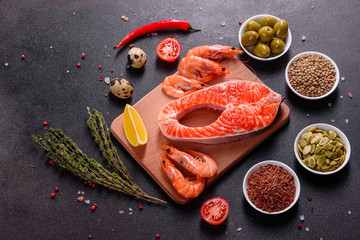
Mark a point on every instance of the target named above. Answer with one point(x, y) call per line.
point(226, 154)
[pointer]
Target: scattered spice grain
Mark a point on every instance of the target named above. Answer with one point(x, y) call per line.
point(312, 75)
point(271, 188)
point(350, 95)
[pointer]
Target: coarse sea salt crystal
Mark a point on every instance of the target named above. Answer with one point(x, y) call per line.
point(349, 212)
point(308, 115)
point(87, 201)
point(329, 104)
point(6, 64)
point(341, 96)
point(302, 218)
point(332, 120)
point(79, 192)
point(239, 229)
point(346, 120)
point(130, 209)
point(223, 24)
point(342, 79)
point(307, 229)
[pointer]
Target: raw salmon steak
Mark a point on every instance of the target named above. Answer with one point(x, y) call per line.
point(247, 107)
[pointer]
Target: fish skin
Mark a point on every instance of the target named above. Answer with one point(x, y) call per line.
point(248, 108)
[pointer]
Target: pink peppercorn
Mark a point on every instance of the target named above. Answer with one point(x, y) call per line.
point(78, 65)
point(57, 189)
point(46, 123)
point(22, 56)
point(83, 55)
point(157, 236)
point(50, 162)
point(52, 195)
point(93, 185)
point(309, 198)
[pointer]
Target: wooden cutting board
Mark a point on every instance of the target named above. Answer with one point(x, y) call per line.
point(226, 155)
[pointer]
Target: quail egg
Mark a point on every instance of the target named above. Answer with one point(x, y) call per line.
point(136, 57)
point(121, 88)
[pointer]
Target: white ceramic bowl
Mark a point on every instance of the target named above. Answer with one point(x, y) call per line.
point(249, 50)
point(337, 76)
point(256, 167)
point(324, 126)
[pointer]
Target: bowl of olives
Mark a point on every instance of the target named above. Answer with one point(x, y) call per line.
point(265, 37)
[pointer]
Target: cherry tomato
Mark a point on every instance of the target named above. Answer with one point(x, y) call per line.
point(215, 210)
point(169, 49)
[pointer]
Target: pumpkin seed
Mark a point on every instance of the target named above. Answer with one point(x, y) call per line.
point(332, 134)
point(321, 150)
point(327, 147)
point(323, 141)
point(302, 143)
point(321, 160)
point(317, 150)
point(312, 162)
point(306, 149)
point(313, 129)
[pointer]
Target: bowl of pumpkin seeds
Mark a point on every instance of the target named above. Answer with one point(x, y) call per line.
point(322, 149)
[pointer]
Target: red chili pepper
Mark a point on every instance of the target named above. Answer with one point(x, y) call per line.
point(152, 27)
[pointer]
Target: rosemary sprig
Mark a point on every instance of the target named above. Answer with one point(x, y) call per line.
point(64, 152)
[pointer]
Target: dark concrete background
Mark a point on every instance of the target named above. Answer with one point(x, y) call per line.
point(39, 89)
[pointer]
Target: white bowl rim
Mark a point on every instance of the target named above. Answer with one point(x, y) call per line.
point(277, 163)
point(287, 41)
point(343, 138)
point(337, 76)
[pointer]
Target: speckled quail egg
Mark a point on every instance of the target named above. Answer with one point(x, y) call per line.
point(121, 88)
point(136, 57)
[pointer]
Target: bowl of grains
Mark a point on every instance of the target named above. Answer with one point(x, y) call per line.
point(322, 149)
point(312, 75)
point(271, 187)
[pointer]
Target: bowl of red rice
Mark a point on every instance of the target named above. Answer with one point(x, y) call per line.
point(271, 187)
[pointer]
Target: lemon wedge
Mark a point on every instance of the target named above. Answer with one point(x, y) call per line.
point(134, 127)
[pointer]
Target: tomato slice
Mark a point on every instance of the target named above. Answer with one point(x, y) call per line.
point(215, 210)
point(169, 49)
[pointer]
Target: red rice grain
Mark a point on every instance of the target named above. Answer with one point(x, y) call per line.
point(271, 188)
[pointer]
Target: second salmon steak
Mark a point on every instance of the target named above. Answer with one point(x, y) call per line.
point(247, 107)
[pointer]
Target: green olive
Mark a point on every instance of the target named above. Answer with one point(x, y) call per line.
point(252, 25)
point(277, 46)
point(266, 34)
point(268, 21)
point(249, 38)
point(262, 50)
point(281, 29)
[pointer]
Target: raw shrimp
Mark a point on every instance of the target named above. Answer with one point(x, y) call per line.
point(201, 69)
point(178, 86)
point(187, 187)
point(214, 52)
point(197, 163)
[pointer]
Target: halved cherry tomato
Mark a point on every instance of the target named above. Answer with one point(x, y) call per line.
point(215, 210)
point(169, 49)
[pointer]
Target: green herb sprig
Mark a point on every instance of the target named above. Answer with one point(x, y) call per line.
point(65, 153)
